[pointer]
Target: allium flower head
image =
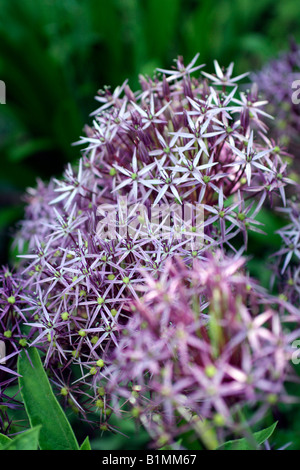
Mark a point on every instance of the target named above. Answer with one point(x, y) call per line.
point(275, 82)
point(181, 142)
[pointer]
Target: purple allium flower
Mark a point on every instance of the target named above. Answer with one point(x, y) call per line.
point(202, 343)
point(286, 264)
point(181, 141)
point(275, 82)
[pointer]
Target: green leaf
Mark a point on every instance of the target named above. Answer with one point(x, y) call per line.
point(86, 444)
point(251, 442)
point(31, 147)
point(4, 440)
point(41, 405)
point(28, 440)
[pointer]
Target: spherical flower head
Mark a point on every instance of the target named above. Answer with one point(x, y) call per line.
point(194, 146)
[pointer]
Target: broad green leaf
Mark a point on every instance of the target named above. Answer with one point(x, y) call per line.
point(250, 443)
point(86, 444)
point(41, 405)
point(4, 440)
point(28, 440)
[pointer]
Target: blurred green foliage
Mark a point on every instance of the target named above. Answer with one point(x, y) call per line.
point(56, 54)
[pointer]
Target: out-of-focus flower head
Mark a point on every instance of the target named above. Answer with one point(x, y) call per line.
point(286, 264)
point(275, 82)
point(201, 345)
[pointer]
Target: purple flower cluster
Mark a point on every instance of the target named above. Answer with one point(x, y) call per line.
point(202, 343)
point(275, 82)
point(180, 142)
point(287, 259)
